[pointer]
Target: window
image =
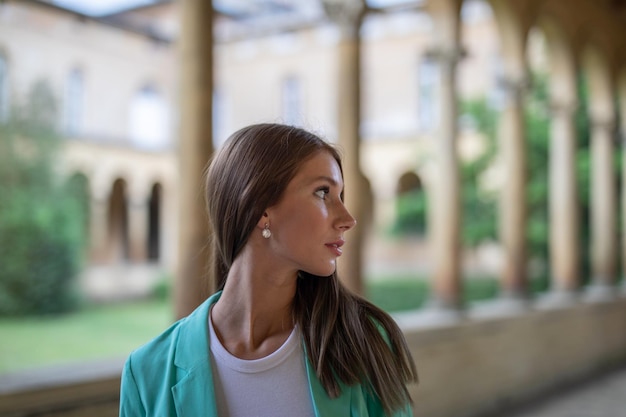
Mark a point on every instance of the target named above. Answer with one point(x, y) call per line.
point(149, 119)
point(73, 111)
point(291, 100)
point(220, 117)
point(4, 90)
point(428, 77)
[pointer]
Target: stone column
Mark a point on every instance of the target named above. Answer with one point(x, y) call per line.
point(444, 202)
point(603, 208)
point(445, 212)
point(622, 100)
point(622, 241)
point(564, 219)
point(348, 15)
point(98, 231)
point(195, 148)
point(138, 207)
point(513, 211)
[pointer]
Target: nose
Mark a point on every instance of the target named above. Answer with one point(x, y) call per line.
point(345, 220)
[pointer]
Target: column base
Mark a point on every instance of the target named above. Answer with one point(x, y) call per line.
point(440, 311)
point(599, 292)
point(556, 299)
point(506, 305)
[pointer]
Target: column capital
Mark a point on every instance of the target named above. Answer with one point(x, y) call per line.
point(347, 14)
point(446, 54)
point(563, 107)
point(602, 122)
point(513, 88)
point(514, 84)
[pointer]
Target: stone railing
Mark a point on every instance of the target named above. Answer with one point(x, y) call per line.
point(497, 358)
point(89, 390)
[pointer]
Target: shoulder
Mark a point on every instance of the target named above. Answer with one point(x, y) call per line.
point(153, 370)
point(182, 345)
point(156, 351)
point(142, 378)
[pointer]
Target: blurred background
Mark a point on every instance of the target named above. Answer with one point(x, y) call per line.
point(482, 141)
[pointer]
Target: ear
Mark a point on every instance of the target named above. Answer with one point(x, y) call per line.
point(265, 219)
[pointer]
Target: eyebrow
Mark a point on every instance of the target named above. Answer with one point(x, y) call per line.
point(325, 178)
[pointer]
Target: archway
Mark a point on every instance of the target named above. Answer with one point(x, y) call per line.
point(411, 206)
point(154, 223)
point(118, 243)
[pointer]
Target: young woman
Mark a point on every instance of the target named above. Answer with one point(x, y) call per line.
point(282, 336)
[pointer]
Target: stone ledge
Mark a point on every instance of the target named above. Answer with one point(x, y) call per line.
point(487, 361)
point(470, 364)
point(61, 388)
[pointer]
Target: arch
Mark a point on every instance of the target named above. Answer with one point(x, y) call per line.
point(598, 74)
point(409, 182)
point(536, 47)
point(155, 222)
point(118, 240)
point(149, 122)
point(411, 217)
point(561, 62)
point(513, 24)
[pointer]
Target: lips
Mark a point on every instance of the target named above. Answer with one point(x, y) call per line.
point(335, 247)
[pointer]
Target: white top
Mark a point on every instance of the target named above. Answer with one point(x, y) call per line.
point(274, 386)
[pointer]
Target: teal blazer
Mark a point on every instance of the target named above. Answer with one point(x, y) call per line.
point(171, 376)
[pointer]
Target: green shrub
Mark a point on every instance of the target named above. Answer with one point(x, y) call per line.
point(411, 214)
point(480, 289)
point(41, 222)
point(162, 290)
point(397, 294)
point(411, 293)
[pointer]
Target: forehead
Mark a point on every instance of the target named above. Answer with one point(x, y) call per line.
point(322, 164)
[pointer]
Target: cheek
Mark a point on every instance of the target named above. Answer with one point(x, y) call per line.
point(303, 219)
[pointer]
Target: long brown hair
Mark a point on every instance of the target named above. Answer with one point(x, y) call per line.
point(347, 339)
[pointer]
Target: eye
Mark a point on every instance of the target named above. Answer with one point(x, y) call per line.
point(322, 192)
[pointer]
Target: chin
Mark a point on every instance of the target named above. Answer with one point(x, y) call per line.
point(322, 272)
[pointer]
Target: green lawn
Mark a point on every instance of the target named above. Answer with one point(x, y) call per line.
point(114, 330)
point(409, 293)
point(92, 333)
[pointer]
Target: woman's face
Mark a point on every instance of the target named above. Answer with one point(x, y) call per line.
point(309, 221)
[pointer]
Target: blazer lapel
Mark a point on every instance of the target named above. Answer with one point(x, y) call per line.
point(194, 394)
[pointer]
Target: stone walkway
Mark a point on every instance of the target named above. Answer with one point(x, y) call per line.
point(603, 396)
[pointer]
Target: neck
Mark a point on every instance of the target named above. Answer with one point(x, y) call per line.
point(253, 317)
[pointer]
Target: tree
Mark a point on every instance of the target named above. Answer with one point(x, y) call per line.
point(41, 221)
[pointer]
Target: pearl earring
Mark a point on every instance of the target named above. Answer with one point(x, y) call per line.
point(266, 233)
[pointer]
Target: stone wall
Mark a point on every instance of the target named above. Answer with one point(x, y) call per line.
point(482, 364)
